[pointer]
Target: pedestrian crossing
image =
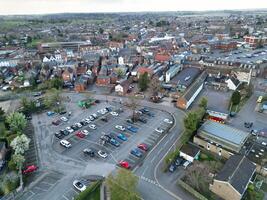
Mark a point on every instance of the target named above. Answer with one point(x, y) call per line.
point(148, 180)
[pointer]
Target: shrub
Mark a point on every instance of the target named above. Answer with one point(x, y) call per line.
point(11, 165)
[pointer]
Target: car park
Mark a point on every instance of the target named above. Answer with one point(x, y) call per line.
point(119, 127)
point(29, 169)
point(92, 126)
point(114, 113)
point(124, 164)
point(143, 146)
point(59, 135)
point(114, 142)
point(122, 137)
point(136, 152)
point(102, 154)
point(168, 121)
point(65, 143)
point(79, 134)
point(132, 129)
point(64, 119)
point(89, 152)
point(69, 129)
point(79, 185)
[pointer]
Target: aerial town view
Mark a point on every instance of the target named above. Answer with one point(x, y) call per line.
point(133, 100)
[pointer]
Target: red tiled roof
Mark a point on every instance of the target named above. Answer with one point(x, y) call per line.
point(162, 57)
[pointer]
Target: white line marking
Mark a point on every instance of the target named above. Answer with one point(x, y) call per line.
point(65, 197)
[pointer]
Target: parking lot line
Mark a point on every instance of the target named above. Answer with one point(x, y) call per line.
point(65, 197)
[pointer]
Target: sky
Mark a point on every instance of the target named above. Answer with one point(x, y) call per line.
point(8, 7)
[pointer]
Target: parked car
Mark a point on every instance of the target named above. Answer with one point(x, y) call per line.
point(114, 142)
point(85, 132)
point(130, 121)
point(92, 126)
point(56, 122)
point(89, 152)
point(119, 127)
point(254, 132)
point(144, 110)
point(64, 119)
point(168, 121)
point(186, 164)
point(79, 134)
point(114, 113)
point(78, 125)
point(87, 121)
point(69, 129)
point(143, 146)
point(59, 135)
point(248, 124)
point(136, 152)
point(124, 164)
point(74, 127)
point(102, 154)
point(50, 113)
point(179, 161)
point(65, 143)
point(143, 120)
point(63, 112)
point(91, 118)
point(172, 167)
point(132, 129)
point(95, 116)
point(150, 114)
point(122, 137)
point(79, 185)
point(29, 169)
point(64, 132)
point(159, 130)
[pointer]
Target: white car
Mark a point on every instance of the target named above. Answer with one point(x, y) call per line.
point(85, 132)
point(79, 185)
point(167, 121)
point(64, 119)
point(159, 130)
point(65, 143)
point(92, 126)
point(87, 120)
point(114, 113)
point(119, 127)
point(69, 129)
point(102, 154)
point(91, 118)
point(94, 115)
point(78, 125)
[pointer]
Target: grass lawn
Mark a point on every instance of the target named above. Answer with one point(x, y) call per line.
point(95, 195)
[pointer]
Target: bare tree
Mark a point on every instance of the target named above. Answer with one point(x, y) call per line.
point(133, 104)
point(154, 86)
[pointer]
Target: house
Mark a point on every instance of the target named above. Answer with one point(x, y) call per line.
point(159, 57)
point(232, 181)
point(220, 139)
point(232, 83)
point(3, 150)
point(122, 88)
point(68, 75)
point(191, 93)
point(189, 152)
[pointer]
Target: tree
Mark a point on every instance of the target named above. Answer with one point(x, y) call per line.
point(143, 81)
point(154, 86)
point(52, 97)
point(20, 144)
point(17, 121)
point(203, 102)
point(133, 105)
point(120, 72)
point(236, 97)
point(56, 83)
point(2, 115)
point(191, 121)
point(19, 160)
point(123, 186)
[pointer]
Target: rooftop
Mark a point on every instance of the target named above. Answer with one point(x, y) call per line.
point(181, 78)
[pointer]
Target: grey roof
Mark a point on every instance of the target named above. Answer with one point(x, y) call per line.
point(195, 86)
point(237, 171)
point(235, 81)
point(190, 150)
point(193, 72)
point(227, 136)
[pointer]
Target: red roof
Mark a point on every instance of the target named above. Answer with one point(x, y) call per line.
point(142, 70)
point(162, 57)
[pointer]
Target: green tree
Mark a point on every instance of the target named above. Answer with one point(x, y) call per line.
point(19, 160)
point(191, 121)
point(203, 102)
point(236, 97)
point(120, 72)
point(123, 186)
point(52, 97)
point(56, 83)
point(2, 115)
point(143, 81)
point(20, 144)
point(17, 122)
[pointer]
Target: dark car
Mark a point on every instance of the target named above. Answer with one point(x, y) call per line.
point(248, 124)
point(83, 123)
point(172, 168)
point(144, 110)
point(136, 152)
point(97, 101)
point(114, 142)
point(179, 161)
point(56, 122)
point(109, 109)
point(143, 120)
point(63, 112)
point(104, 119)
point(64, 132)
point(74, 127)
point(59, 135)
point(130, 121)
point(89, 152)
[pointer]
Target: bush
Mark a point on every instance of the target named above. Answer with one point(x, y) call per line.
point(85, 195)
point(11, 165)
point(8, 185)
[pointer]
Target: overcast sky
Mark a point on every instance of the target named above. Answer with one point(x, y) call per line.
point(60, 6)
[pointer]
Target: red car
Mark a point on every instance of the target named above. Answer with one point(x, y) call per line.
point(80, 134)
point(124, 164)
point(143, 146)
point(30, 169)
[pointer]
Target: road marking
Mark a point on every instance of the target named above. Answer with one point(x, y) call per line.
point(148, 180)
point(152, 160)
point(144, 171)
point(65, 197)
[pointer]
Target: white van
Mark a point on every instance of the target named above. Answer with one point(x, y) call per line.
point(185, 165)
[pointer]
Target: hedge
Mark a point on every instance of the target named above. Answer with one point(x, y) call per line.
point(191, 190)
point(85, 195)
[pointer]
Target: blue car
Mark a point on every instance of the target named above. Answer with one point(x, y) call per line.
point(136, 152)
point(122, 137)
point(114, 142)
point(50, 113)
point(132, 129)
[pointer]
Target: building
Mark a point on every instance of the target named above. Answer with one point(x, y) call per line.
point(255, 41)
point(122, 88)
point(189, 152)
point(232, 181)
point(191, 93)
point(232, 83)
point(220, 139)
point(47, 47)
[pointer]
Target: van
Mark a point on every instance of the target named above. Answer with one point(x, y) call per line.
point(259, 99)
point(185, 165)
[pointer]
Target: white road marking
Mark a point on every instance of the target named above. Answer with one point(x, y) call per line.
point(65, 197)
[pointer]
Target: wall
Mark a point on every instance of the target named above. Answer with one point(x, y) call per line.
point(181, 103)
point(224, 190)
point(194, 96)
